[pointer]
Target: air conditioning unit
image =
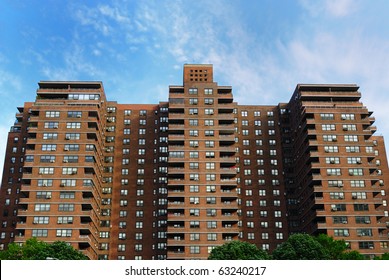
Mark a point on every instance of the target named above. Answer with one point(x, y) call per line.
point(78, 116)
point(65, 161)
point(344, 222)
point(56, 126)
point(52, 160)
point(66, 149)
point(67, 138)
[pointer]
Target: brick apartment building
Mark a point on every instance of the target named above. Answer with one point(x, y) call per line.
point(175, 179)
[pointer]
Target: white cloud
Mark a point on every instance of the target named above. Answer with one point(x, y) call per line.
point(332, 8)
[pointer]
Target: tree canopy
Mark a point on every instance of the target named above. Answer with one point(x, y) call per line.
point(238, 250)
point(35, 249)
point(306, 247)
point(300, 247)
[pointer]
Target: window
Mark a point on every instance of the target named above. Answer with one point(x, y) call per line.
point(208, 111)
point(211, 224)
point(193, 91)
point(49, 147)
point(69, 170)
point(209, 133)
point(39, 232)
point(209, 154)
point(64, 233)
point(42, 207)
point(361, 207)
point(347, 116)
point(333, 172)
point(209, 144)
point(326, 116)
point(194, 133)
point(41, 220)
point(65, 220)
point(358, 195)
point(332, 160)
point(349, 127)
point(329, 138)
point(50, 136)
point(193, 165)
point(352, 149)
point(331, 149)
point(355, 171)
point(73, 125)
point(208, 101)
point(194, 236)
point(66, 207)
point(193, 111)
point(366, 245)
point(193, 101)
point(208, 122)
point(194, 200)
point(47, 159)
point(357, 183)
point(193, 122)
point(194, 249)
point(71, 147)
point(341, 232)
point(351, 138)
point(327, 127)
point(208, 91)
point(67, 195)
point(52, 114)
point(46, 170)
point(209, 165)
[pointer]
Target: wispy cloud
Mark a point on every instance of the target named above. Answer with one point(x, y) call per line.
point(332, 8)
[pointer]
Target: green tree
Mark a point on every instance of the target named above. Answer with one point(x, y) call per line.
point(352, 255)
point(383, 257)
point(338, 249)
point(334, 248)
point(35, 249)
point(238, 250)
point(300, 246)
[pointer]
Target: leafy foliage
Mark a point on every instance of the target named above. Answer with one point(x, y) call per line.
point(322, 247)
point(300, 246)
point(238, 250)
point(35, 249)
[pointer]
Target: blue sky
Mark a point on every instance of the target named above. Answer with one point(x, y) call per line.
point(137, 48)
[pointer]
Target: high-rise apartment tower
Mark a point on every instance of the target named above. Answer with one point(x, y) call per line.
point(175, 179)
